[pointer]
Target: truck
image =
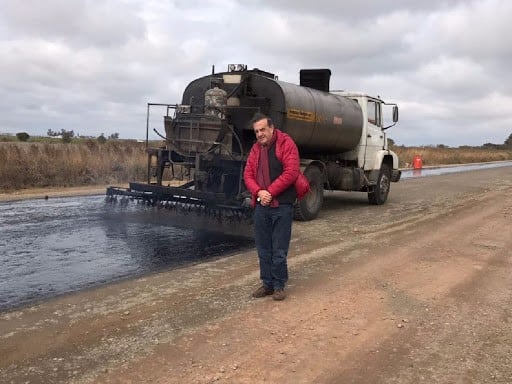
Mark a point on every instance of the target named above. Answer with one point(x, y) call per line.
point(198, 166)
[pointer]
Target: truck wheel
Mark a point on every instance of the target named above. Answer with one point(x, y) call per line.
point(378, 193)
point(308, 208)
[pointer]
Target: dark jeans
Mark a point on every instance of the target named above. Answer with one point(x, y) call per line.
point(272, 230)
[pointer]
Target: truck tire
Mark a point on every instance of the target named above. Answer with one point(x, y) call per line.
point(307, 209)
point(378, 193)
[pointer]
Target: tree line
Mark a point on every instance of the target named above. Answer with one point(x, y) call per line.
point(67, 136)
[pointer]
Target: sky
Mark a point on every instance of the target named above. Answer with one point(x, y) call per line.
point(92, 66)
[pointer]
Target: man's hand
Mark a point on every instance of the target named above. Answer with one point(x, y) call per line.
point(264, 197)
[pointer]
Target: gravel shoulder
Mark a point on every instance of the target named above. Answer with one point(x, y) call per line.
point(417, 290)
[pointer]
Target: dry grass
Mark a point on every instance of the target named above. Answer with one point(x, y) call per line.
point(88, 163)
point(443, 155)
point(32, 165)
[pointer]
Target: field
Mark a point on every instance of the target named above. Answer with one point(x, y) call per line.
point(87, 162)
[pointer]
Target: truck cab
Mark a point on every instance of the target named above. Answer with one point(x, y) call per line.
point(373, 144)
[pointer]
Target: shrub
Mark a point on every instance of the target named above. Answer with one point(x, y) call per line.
point(23, 136)
point(67, 136)
point(102, 139)
point(508, 142)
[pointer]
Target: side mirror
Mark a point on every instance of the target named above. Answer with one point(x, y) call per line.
point(395, 113)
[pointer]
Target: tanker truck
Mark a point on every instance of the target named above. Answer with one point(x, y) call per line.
point(198, 168)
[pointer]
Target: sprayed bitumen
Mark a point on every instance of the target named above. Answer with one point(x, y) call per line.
point(55, 246)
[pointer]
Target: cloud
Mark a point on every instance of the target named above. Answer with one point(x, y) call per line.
point(92, 66)
point(78, 23)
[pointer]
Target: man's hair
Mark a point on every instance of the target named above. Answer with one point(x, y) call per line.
point(260, 116)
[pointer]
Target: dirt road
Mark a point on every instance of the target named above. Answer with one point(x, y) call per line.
point(418, 290)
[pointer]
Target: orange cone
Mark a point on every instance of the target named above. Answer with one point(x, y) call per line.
point(417, 162)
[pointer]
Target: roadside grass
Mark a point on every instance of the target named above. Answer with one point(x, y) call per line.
point(432, 156)
point(32, 165)
point(87, 162)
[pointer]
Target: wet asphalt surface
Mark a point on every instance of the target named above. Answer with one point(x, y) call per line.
point(56, 246)
point(61, 245)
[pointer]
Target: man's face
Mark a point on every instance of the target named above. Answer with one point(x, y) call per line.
point(263, 131)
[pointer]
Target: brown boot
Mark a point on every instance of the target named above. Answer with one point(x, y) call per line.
point(262, 292)
point(279, 294)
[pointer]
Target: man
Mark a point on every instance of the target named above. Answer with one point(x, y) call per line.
point(271, 172)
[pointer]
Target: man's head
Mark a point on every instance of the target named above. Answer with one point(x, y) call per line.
point(263, 128)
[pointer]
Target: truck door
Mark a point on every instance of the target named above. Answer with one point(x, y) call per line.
point(374, 133)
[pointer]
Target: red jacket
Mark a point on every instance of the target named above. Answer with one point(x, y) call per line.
point(288, 154)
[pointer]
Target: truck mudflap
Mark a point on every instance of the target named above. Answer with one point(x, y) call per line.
point(179, 207)
point(395, 175)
